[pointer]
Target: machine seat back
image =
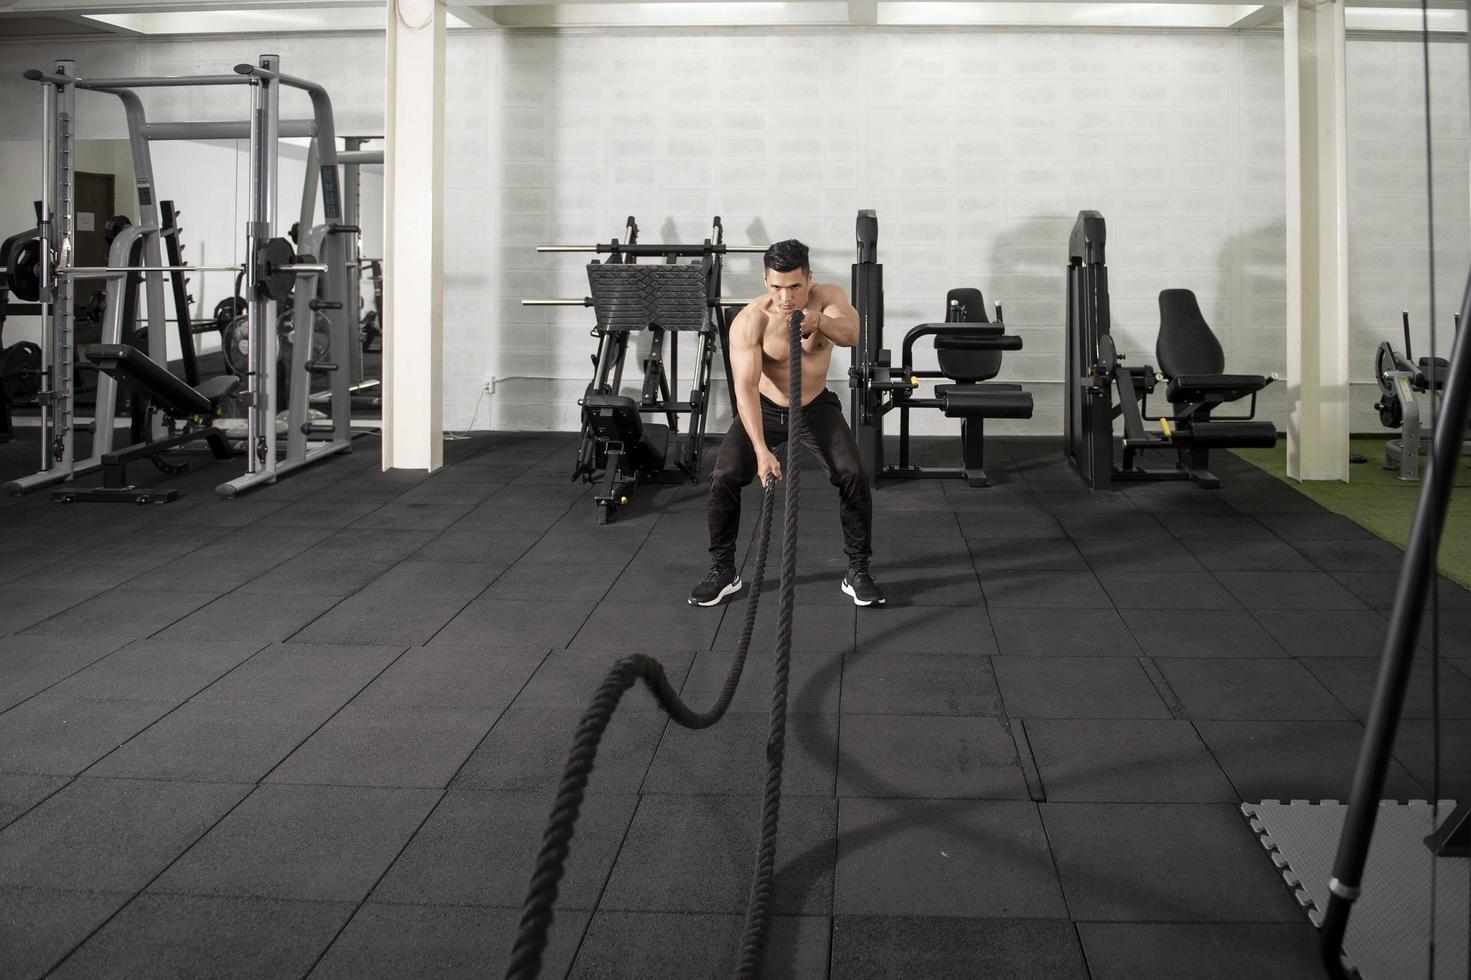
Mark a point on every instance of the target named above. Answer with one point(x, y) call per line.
point(1186, 344)
point(167, 391)
point(960, 357)
point(615, 418)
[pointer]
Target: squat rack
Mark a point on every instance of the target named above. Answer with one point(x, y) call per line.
point(268, 271)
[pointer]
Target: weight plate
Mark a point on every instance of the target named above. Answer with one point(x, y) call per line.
point(228, 309)
point(20, 372)
point(1383, 368)
point(270, 257)
point(1390, 412)
point(23, 269)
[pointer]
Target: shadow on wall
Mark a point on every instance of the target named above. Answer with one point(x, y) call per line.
point(1252, 299)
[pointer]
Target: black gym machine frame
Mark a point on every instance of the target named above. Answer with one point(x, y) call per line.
point(271, 270)
point(879, 387)
point(1400, 379)
point(618, 450)
point(1099, 388)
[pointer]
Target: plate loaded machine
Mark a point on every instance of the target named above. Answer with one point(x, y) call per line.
point(271, 271)
point(969, 350)
point(1400, 380)
point(1191, 362)
point(618, 449)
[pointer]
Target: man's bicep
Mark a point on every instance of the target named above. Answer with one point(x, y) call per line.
point(745, 356)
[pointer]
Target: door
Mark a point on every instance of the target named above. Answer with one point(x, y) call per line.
point(94, 206)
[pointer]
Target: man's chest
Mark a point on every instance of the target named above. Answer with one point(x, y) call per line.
point(775, 343)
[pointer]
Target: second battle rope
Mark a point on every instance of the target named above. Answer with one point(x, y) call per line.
point(536, 911)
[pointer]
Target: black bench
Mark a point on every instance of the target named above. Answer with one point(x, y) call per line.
point(179, 403)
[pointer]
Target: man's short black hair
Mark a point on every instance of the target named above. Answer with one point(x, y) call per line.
point(788, 256)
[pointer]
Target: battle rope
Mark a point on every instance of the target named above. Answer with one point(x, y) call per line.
point(541, 896)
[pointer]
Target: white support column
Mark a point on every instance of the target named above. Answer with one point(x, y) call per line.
point(413, 285)
point(1317, 240)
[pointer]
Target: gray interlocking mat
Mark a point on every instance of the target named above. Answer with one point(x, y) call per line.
point(1389, 929)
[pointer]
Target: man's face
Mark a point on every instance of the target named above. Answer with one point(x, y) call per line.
point(789, 288)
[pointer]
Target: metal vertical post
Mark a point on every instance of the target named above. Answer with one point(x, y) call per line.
point(261, 368)
point(63, 235)
point(43, 233)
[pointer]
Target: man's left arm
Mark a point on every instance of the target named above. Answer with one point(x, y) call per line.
point(837, 319)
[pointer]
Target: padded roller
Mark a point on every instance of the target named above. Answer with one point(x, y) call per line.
point(1238, 435)
point(998, 341)
point(985, 402)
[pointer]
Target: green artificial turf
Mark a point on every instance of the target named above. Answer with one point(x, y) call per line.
point(1378, 501)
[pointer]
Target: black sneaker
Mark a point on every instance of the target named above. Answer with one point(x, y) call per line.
point(721, 583)
point(859, 584)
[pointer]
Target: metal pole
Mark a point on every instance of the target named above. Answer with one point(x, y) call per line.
point(43, 233)
point(63, 313)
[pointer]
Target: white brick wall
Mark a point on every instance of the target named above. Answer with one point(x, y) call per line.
point(976, 148)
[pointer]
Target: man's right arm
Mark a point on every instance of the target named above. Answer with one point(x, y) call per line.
point(745, 372)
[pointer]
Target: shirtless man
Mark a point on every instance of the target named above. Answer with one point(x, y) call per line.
point(759, 355)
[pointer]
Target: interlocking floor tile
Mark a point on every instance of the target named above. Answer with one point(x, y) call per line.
point(1214, 951)
point(388, 942)
point(480, 848)
point(62, 736)
point(928, 757)
point(303, 673)
point(962, 858)
point(1064, 632)
point(639, 945)
point(1297, 760)
point(1077, 687)
point(215, 741)
point(732, 761)
point(205, 936)
point(315, 843)
point(378, 745)
point(39, 926)
point(886, 682)
point(695, 854)
point(529, 743)
point(163, 670)
point(876, 947)
point(110, 834)
point(1275, 689)
point(1131, 862)
point(1153, 761)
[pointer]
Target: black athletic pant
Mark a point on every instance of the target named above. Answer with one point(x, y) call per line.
point(826, 434)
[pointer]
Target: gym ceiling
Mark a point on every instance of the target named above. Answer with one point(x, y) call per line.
point(101, 18)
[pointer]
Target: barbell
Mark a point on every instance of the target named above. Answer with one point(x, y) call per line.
point(276, 269)
point(587, 301)
point(651, 251)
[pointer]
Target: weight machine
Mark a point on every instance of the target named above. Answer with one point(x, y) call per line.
point(1400, 380)
point(968, 348)
point(618, 449)
point(42, 271)
point(1192, 363)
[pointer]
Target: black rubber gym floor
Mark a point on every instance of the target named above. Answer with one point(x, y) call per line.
point(314, 731)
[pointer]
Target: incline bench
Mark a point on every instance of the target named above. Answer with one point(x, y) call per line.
point(158, 390)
